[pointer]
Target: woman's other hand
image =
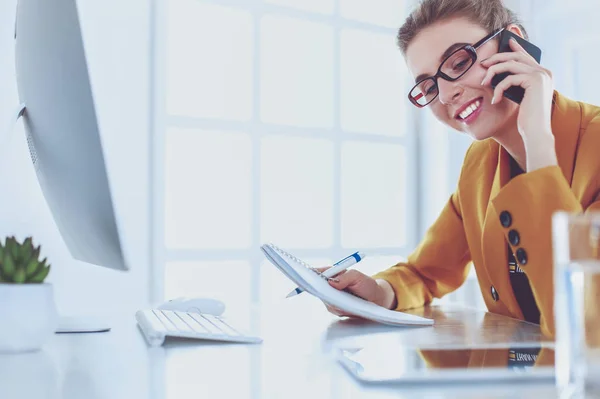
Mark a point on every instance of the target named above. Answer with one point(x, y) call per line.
point(377, 291)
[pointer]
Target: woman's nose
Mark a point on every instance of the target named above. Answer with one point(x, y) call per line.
point(449, 91)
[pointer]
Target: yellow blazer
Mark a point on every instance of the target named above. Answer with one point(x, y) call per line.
point(487, 205)
point(480, 358)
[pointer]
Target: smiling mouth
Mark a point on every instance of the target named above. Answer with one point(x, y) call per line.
point(470, 109)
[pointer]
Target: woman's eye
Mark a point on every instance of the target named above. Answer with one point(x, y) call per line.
point(461, 64)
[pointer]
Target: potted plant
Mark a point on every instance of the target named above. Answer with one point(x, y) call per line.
point(28, 315)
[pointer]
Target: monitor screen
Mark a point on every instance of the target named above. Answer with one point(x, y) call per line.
point(62, 130)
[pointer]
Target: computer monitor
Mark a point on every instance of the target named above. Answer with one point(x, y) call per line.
point(62, 130)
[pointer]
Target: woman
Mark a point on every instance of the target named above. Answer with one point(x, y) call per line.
point(527, 161)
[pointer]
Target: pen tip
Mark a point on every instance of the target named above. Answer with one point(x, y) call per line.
point(291, 294)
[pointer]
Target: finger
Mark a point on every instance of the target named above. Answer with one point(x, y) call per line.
point(512, 80)
point(514, 67)
point(523, 57)
point(321, 270)
point(331, 309)
point(336, 311)
point(345, 280)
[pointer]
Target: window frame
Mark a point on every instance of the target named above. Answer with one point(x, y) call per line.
point(161, 122)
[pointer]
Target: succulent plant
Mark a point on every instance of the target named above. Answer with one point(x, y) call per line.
point(20, 264)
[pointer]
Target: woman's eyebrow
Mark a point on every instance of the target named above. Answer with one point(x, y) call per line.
point(444, 55)
point(451, 49)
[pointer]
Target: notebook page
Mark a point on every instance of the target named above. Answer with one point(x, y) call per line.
point(282, 264)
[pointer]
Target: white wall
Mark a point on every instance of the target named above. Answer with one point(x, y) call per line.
point(116, 35)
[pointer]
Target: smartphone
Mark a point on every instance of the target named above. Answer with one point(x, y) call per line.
point(514, 93)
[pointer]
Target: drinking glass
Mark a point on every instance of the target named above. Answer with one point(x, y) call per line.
point(575, 245)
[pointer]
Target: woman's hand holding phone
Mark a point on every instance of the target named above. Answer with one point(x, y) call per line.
point(535, 110)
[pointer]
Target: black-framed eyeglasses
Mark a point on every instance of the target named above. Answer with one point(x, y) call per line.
point(452, 68)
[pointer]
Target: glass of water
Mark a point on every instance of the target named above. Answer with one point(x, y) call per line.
point(576, 253)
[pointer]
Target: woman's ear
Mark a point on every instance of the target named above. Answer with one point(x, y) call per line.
point(516, 30)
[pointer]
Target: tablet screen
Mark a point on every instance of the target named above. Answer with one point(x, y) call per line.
point(406, 364)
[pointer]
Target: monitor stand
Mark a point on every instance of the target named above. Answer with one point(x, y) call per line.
point(73, 325)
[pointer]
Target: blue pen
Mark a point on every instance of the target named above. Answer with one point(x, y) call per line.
point(335, 269)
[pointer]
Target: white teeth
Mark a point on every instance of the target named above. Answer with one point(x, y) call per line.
point(469, 110)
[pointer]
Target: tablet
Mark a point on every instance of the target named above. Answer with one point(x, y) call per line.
point(401, 364)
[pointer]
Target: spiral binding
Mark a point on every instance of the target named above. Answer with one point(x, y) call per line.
point(295, 259)
point(292, 257)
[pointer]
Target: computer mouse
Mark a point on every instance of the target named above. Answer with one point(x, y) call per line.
point(195, 305)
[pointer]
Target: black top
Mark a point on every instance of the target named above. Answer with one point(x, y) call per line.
point(518, 279)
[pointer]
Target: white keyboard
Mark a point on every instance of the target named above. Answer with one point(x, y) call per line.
point(156, 325)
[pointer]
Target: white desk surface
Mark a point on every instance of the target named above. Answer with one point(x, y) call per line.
point(294, 361)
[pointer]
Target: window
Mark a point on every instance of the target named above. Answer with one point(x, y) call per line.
point(278, 121)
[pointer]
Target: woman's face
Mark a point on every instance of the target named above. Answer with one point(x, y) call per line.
point(424, 55)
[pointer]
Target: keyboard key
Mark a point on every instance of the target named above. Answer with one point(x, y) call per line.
point(206, 324)
point(155, 322)
point(176, 319)
point(220, 324)
point(164, 320)
point(194, 325)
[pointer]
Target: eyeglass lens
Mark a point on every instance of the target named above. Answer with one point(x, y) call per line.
point(454, 67)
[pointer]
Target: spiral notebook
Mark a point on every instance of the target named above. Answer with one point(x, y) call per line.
point(313, 283)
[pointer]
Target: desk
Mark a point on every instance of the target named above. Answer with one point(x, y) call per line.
point(294, 361)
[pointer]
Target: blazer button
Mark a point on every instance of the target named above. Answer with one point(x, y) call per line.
point(513, 238)
point(521, 256)
point(505, 218)
point(495, 295)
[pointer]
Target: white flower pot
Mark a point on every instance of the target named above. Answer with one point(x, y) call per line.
point(28, 316)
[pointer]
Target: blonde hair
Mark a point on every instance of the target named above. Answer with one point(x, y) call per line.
point(490, 14)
